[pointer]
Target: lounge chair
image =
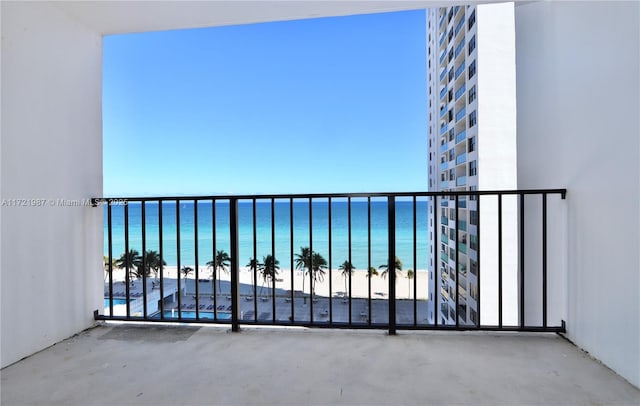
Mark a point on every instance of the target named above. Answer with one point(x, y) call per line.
point(264, 298)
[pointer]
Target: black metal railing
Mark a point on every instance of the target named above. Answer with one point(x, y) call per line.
point(189, 266)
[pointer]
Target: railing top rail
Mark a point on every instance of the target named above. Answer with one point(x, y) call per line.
point(562, 192)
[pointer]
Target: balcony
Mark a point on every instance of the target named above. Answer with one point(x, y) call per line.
point(442, 38)
point(460, 91)
point(461, 180)
point(459, 48)
point(125, 364)
point(459, 27)
point(444, 220)
point(459, 71)
point(441, 20)
point(443, 129)
point(443, 112)
point(444, 238)
point(444, 165)
point(443, 147)
point(461, 158)
point(442, 56)
point(462, 225)
point(443, 92)
point(442, 75)
point(462, 247)
point(460, 114)
point(461, 136)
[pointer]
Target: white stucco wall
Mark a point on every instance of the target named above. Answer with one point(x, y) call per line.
point(51, 148)
point(496, 155)
point(578, 127)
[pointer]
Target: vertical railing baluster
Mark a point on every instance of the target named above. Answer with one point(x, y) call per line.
point(311, 272)
point(292, 318)
point(273, 258)
point(349, 248)
point(369, 257)
point(195, 253)
point(479, 315)
point(436, 265)
point(457, 245)
point(330, 266)
point(161, 249)
point(500, 260)
point(110, 259)
point(522, 260)
point(255, 257)
point(213, 259)
point(127, 259)
point(143, 214)
point(235, 268)
point(415, 262)
point(178, 284)
point(544, 260)
point(391, 264)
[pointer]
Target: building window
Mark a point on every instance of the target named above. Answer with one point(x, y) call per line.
point(473, 170)
point(472, 93)
point(472, 118)
point(472, 44)
point(472, 19)
point(451, 74)
point(473, 291)
point(473, 267)
point(473, 219)
point(450, 56)
point(473, 316)
point(474, 242)
point(472, 69)
point(472, 144)
point(473, 189)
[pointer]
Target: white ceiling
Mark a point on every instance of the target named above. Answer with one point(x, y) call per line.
point(117, 17)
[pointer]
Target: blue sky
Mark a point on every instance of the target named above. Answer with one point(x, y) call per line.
point(309, 106)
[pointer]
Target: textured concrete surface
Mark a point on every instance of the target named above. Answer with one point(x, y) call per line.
point(181, 365)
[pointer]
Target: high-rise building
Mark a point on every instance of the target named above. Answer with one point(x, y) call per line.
point(472, 146)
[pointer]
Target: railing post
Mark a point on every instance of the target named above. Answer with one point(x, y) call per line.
point(391, 264)
point(235, 268)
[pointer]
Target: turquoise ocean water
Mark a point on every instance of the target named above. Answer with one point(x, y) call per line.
point(282, 231)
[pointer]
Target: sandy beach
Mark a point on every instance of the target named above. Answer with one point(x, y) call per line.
point(359, 282)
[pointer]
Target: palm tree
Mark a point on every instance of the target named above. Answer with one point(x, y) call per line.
point(220, 262)
point(131, 260)
point(106, 264)
point(253, 266)
point(398, 268)
point(152, 262)
point(186, 270)
point(410, 275)
point(269, 268)
point(303, 261)
point(318, 265)
point(370, 273)
point(347, 269)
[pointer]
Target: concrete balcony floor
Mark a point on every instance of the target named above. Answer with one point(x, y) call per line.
point(116, 364)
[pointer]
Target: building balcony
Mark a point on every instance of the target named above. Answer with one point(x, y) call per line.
point(461, 136)
point(442, 56)
point(459, 27)
point(443, 112)
point(460, 92)
point(461, 180)
point(461, 158)
point(459, 49)
point(444, 166)
point(459, 71)
point(460, 114)
point(443, 129)
point(443, 74)
point(443, 92)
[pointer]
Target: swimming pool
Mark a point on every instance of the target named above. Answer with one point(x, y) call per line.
point(168, 314)
point(115, 302)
